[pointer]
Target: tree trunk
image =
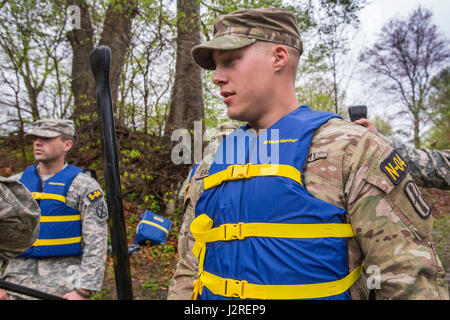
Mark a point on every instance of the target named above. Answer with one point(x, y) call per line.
point(117, 36)
point(416, 131)
point(83, 85)
point(187, 95)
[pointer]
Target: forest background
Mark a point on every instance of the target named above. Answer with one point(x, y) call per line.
point(157, 88)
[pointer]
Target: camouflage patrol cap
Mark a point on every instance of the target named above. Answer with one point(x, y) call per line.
point(51, 128)
point(19, 217)
point(241, 28)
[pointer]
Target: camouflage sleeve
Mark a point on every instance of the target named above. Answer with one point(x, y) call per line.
point(181, 286)
point(93, 210)
point(182, 283)
point(429, 168)
point(392, 223)
point(19, 218)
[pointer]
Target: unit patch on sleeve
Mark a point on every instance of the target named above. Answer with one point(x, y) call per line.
point(416, 199)
point(394, 167)
point(101, 212)
point(94, 195)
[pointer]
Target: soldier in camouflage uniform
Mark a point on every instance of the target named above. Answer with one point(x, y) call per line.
point(19, 218)
point(76, 276)
point(347, 166)
point(429, 168)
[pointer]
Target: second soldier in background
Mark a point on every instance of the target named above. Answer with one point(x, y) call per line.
point(68, 258)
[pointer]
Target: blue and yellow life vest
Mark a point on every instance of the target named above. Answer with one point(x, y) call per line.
point(259, 233)
point(60, 227)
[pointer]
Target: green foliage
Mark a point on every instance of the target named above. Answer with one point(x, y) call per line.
point(317, 94)
point(149, 202)
point(327, 44)
point(215, 110)
point(440, 236)
point(99, 295)
point(29, 155)
point(383, 126)
point(439, 111)
point(150, 284)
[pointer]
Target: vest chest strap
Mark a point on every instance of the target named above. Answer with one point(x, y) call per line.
point(50, 196)
point(201, 228)
point(249, 170)
point(243, 289)
point(75, 217)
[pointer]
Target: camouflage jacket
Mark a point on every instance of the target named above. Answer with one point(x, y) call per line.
point(346, 166)
point(429, 168)
point(62, 274)
point(19, 218)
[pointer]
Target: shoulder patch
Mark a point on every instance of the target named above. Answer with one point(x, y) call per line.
point(94, 195)
point(418, 202)
point(101, 212)
point(394, 167)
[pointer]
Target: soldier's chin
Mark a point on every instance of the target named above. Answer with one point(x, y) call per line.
point(42, 158)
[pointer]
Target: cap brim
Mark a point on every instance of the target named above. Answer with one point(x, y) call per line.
point(202, 53)
point(42, 133)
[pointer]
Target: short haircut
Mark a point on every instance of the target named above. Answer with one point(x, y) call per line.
point(65, 137)
point(294, 56)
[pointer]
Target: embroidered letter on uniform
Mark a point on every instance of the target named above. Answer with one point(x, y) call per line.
point(418, 202)
point(394, 167)
point(203, 173)
point(94, 195)
point(313, 156)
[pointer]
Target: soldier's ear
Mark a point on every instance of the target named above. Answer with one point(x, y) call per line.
point(280, 56)
point(67, 145)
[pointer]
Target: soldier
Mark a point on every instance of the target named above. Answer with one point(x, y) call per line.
point(19, 218)
point(335, 215)
point(429, 168)
point(68, 258)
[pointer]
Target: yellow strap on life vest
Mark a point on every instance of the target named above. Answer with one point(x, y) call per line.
point(52, 196)
point(201, 229)
point(249, 170)
point(54, 242)
point(243, 289)
point(155, 225)
point(226, 232)
point(75, 217)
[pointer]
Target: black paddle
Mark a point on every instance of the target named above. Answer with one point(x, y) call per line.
point(28, 291)
point(100, 61)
